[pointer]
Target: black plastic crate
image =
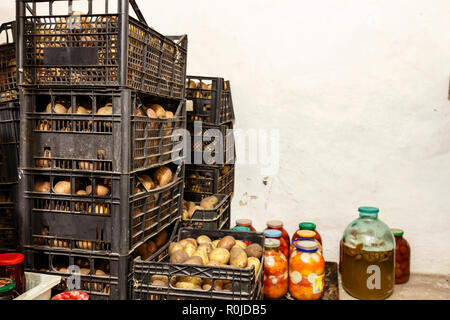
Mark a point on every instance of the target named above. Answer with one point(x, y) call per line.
point(9, 141)
point(8, 65)
point(8, 218)
point(214, 219)
point(102, 277)
point(116, 221)
point(125, 140)
point(60, 47)
point(211, 145)
point(207, 181)
point(211, 100)
point(246, 285)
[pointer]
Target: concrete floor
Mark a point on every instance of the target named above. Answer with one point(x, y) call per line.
point(419, 287)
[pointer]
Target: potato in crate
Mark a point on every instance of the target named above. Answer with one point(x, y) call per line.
point(209, 180)
point(211, 213)
point(8, 66)
point(204, 264)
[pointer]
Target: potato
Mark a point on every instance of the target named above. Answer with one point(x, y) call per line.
point(100, 190)
point(107, 110)
point(227, 286)
point(220, 255)
point(163, 175)
point(84, 271)
point(163, 279)
point(194, 280)
point(147, 182)
point(238, 257)
point(100, 273)
point(188, 240)
point(240, 244)
point(206, 247)
point(196, 260)
point(179, 257)
point(42, 186)
point(62, 187)
point(192, 211)
point(254, 250)
point(227, 243)
point(203, 239)
point(160, 112)
point(59, 108)
point(151, 114)
point(215, 243)
point(161, 238)
point(252, 261)
point(209, 203)
point(207, 284)
point(214, 263)
point(159, 283)
point(174, 246)
point(202, 254)
point(189, 248)
point(187, 285)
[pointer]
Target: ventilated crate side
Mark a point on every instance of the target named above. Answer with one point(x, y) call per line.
point(211, 100)
point(8, 218)
point(8, 65)
point(207, 181)
point(71, 130)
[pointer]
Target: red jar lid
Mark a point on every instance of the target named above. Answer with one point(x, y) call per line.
point(11, 259)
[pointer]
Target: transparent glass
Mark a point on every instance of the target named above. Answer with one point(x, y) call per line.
point(402, 260)
point(368, 257)
point(275, 271)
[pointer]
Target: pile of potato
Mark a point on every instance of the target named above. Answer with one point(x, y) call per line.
point(146, 250)
point(224, 252)
point(160, 177)
point(189, 207)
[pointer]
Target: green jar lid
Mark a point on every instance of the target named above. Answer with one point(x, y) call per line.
point(369, 210)
point(397, 232)
point(239, 228)
point(307, 226)
point(7, 285)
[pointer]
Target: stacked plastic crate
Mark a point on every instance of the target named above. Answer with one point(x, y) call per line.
point(9, 138)
point(102, 99)
point(210, 118)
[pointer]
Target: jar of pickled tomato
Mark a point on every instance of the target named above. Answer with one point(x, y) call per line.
point(306, 271)
point(245, 223)
point(308, 226)
point(306, 235)
point(275, 270)
point(276, 234)
point(402, 257)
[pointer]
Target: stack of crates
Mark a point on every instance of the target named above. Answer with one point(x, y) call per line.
point(9, 138)
point(100, 175)
point(211, 168)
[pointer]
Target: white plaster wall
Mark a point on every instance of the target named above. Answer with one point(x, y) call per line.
point(358, 90)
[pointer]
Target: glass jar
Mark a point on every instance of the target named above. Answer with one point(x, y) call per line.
point(308, 226)
point(306, 271)
point(278, 225)
point(275, 270)
point(402, 257)
point(7, 286)
point(368, 257)
point(341, 252)
point(242, 229)
point(306, 235)
point(245, 223)
point(277, 234)
point(11, 266)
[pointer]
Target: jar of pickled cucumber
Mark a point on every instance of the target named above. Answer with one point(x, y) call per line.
point(306, 271)
point(368, 257)
point(402, 257)
point(275, 270)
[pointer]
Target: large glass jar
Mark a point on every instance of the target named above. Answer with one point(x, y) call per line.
point(368, 257)
point(11, 266)
point(306, 271)
point(402, 257)
point(305, 235)
point(275, 270)
point(245, 223)
point(278, 225)
point(277, 234)
point(308, 226)
point(7, 289)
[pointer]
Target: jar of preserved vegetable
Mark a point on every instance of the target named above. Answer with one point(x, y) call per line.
point(275, 270)
point(368, 257)
point(242, 229)
point(278, 225)
point(306, 235)
point(306, 271)
point(402, 257)
point(276, 234)
point(245, 223)
point(308, 226)
point(7, 289)
point(11, 266)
